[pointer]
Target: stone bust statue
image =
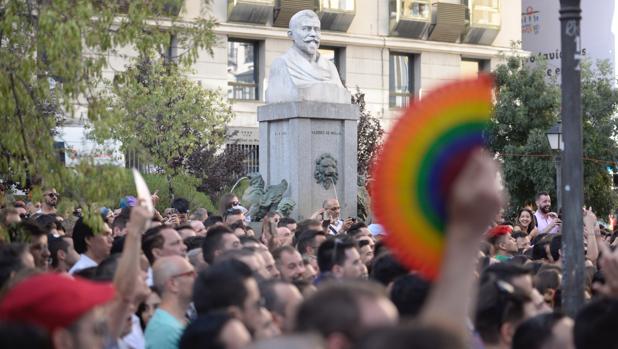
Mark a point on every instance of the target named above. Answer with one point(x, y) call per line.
point(301, 74)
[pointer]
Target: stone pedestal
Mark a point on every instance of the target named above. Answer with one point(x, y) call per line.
point(293, 135)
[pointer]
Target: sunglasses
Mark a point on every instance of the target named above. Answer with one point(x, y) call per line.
point(53, 195)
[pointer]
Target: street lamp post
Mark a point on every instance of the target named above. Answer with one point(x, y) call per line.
point(554, 136)
point(572, 178)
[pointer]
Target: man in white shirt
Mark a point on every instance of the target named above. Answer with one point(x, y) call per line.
point(332, 211)
point(547, 221)
point(92, 247)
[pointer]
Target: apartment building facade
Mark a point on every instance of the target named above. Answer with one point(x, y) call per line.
point(391, 50)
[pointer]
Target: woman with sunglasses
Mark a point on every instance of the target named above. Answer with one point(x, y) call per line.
point(228, 201)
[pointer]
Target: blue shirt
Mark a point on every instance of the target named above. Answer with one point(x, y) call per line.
point(163, 331)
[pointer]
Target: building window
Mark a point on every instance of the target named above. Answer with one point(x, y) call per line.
point(335, 55)
point(418, 9)
point(401, 79)
point(242, 72)
point(472, 67)
point(484, 12)
point(341, 5)
point(252, 156)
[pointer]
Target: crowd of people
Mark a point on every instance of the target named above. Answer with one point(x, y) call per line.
point(189, 279)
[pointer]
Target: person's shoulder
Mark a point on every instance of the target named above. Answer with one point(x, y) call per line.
point(82, 263)
point(161, 318)
point(162, 331)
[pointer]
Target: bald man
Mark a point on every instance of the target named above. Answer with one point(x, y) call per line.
point(173, 281)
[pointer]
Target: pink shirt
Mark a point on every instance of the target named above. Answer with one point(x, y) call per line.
point(543, 221)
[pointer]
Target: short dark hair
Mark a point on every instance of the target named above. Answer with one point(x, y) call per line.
point(236, 254)
point(535, 332)
point(307, 238)
point(205, 332)
point(46, 222)
point(336, 308)
point(117, 245)
point(538, 247)
point(220, 286)
point(152, 239)
point(355, 228)
point(107, 268)
point(409, 293)
point(498, 302)
point(503, 271)
point(122, 219)
point(213, 241)
point(518, 234)
point(283, 222)
point(238, 225)
point(332, 252)
point(212, 220)
point(555, 246)
point(277, 252)
point(81, 231)
point(244, 239)
point(21, 335)
point(193, 242)
point(386, 268)
point(539, 194)
point(56, 244)
point(595, 325)
point(271, 301)
point(547, 279)
point(181, 205)
point(305, 223)
point(401, 336)
point(11, 261)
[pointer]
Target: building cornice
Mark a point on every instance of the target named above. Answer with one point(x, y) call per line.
point(377, 41)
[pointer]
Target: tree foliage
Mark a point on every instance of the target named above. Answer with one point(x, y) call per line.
point(217, 170)
point(52, 58)
point(527, 105)
point(369, 135)
point(164, 116)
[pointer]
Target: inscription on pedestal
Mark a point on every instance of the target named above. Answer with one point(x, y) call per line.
point(326, 133)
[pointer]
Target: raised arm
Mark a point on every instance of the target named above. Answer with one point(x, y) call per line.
point(591, 229)
point(474, 201)
point(128, 271)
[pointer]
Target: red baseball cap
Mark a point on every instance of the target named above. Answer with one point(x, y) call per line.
point(53, 301)
point(499, 230)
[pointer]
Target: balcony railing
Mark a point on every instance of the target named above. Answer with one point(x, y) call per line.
point(285, 9)
point(483, 21)
point(250, 11)
point(410, 18)
point(336, 14)
point(447, 21)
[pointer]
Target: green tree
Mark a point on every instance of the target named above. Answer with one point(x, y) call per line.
point(52, 55)
point(369, 142)
point(164, 116)
point(600, 129)
point(527, 105)
point(369, 135)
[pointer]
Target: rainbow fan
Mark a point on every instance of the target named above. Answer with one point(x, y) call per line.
point(424, 152)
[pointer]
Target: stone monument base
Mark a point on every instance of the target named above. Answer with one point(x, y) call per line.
point(293, 135)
